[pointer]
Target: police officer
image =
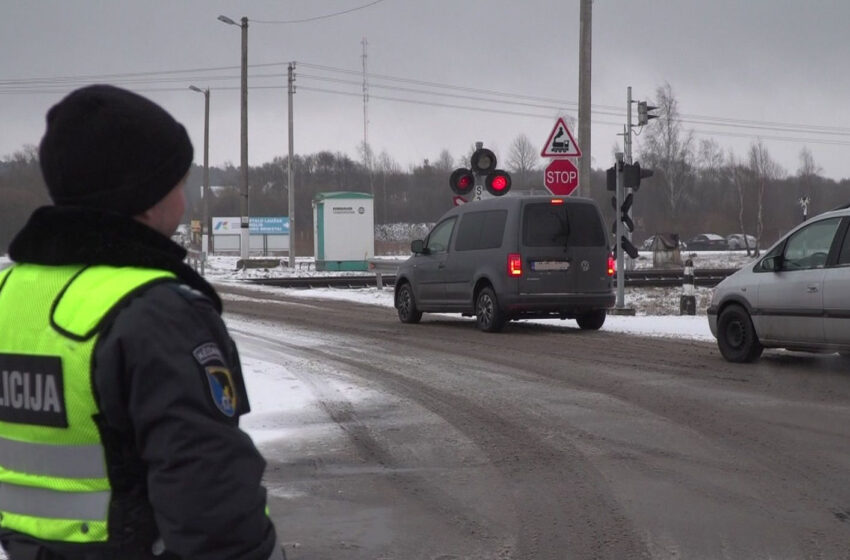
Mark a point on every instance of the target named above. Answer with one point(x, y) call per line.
point(120, 388)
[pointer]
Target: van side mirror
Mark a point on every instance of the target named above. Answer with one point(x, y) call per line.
point(417, 246)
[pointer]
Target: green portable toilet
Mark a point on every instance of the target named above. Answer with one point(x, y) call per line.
point(343, 230)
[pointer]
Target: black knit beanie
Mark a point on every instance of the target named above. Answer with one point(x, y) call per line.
point(109, 148)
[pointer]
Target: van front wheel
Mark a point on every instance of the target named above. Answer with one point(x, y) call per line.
point(488, 314)
point(406, 305)
point(592, 320)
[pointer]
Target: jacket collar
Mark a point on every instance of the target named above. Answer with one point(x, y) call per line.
point(61, 235)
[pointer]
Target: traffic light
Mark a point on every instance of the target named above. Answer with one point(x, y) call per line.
point(645, 113)
point(611, 179)
point(632, 174)
point(483, 177)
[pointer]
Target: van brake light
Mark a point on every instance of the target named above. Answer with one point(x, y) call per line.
point(612, 265)
point(514, 265)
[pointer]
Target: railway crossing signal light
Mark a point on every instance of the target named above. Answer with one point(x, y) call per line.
point(483, 176)
point(462, 181)
point(645, 113)
point(497, 182)
point(632, 174)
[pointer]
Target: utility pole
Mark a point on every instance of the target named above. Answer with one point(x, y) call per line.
point(246, 237)
point(621, 271)
point(205, 193)
point(365, 98)
point(291, 189)
point(367, 151)
point(627, 141)
point(584, 70)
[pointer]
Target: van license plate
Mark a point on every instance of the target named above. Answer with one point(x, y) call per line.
point(550, 265)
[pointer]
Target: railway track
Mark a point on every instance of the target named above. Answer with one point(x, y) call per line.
point(646, 278)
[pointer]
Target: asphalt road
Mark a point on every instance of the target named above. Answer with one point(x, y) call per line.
point(541, 443)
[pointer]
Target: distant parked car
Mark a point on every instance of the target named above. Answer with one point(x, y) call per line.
point(736, 242)
point(706, 242)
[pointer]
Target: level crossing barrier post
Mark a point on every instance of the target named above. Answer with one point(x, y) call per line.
point(687, 301)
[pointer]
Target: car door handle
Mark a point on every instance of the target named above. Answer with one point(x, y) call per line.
point(441, 265)
point(812, 289)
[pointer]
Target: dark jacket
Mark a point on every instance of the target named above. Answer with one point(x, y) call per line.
point(180, 467)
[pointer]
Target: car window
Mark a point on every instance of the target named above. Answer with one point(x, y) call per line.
point(438, 239)
point(481, 230)
point(809, 247)
point(844, 253)
point(548, 225)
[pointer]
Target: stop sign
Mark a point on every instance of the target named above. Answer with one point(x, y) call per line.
point(561, 177)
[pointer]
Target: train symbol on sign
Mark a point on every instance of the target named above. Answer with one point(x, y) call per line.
point(561, 142)
point(560, 146)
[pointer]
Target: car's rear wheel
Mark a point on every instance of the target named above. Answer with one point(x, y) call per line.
point(592, 320)
point(736, 335)
point(488, 314)
point(406, 305)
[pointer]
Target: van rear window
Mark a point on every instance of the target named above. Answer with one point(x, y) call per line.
point(559, 225)
point(481, 230)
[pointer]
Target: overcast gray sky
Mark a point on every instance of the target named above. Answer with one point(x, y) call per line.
point(781, 65)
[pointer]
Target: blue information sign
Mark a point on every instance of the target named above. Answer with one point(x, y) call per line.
point(269, 225)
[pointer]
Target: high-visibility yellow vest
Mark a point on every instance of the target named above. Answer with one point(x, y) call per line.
point(53, 478)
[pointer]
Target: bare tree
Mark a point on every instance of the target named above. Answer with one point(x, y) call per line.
point(738, 176)
point(522, 159)
point(669, 149)
point(762, 170)
point(710, 160)
point(445, 161)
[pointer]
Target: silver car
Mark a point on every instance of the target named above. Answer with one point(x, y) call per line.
point(797, 296)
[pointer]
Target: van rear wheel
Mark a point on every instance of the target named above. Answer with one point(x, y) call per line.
point(488, 314)
point(592, 320)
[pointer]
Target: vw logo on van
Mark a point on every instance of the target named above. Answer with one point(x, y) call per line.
point(585, 266)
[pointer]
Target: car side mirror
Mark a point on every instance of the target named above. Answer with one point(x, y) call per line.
point(417, 246)
point(773, 264)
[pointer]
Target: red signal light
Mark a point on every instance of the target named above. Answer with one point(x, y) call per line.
point(498, 183)
point(461, 181)
point(514, 265)
point(612, 265)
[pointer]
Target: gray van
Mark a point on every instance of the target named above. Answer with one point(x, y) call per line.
point(510, 258)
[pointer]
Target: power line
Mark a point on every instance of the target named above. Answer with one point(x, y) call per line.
point(60, 84)
point(326, 16)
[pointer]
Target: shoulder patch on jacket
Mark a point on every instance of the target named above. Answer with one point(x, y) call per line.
point(218, 377)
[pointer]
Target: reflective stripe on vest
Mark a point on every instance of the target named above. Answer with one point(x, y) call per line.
point(53, 474)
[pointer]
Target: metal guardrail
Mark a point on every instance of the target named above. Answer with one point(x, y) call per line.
point(647, 278)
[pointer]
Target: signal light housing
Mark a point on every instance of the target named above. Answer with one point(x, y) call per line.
point(498, 183)
point(462, 181)
point(514, 265)
point(483, 161)
point(632, 174)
